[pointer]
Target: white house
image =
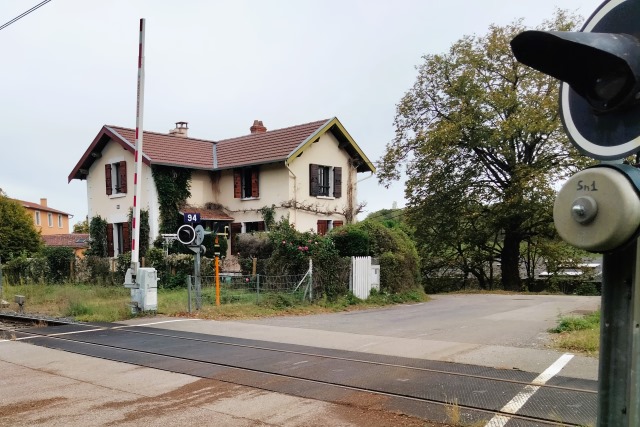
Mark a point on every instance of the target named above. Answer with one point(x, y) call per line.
point(308, 172)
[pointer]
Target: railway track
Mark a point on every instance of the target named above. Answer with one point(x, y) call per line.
point(418, 386)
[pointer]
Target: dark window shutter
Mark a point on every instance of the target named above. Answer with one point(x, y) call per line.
point(237, 183)
point(107, 176)
point(337, 182)
point(255, 181)
point(235, 229)
point(323, 225)
point(337, 224)
point(110, 251)
point(313, 180)
point(261, 226)
point(126, 238)
point(123, 176)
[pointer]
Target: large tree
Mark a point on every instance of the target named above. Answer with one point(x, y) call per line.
point(18, 234)
point(481, 139)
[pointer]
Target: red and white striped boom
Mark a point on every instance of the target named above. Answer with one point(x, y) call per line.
point(137, 184)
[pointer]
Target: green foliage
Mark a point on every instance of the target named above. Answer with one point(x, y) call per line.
point(268, 216)
point(587, 288)
point(18, 234)
point(78, 309)
point(350, 240)
point(59, 260)
point(26, 270)
point(477, 132)
point(122, 265)
point(173, 185)
point(575, 323)
point(98, 237)
point(81, 227)
point(292, 251)
point(94, 270)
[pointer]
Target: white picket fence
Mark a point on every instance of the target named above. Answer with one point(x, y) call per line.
point(364, 276)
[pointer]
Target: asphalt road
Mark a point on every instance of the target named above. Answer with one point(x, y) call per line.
point(40, 386)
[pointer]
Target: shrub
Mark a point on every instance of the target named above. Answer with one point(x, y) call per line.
point(23, 269)
point(98, 239)
point(94, 269)
point(59, 260)
point(350, 240)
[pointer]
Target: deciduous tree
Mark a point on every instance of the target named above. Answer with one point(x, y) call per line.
point(481, 139)
point(18, 233)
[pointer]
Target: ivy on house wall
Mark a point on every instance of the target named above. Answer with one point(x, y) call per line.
point(98, 237)
point(173, 186)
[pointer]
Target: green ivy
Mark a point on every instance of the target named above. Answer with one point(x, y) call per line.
point(98, 237)
point(268, 215)
point(173, 186)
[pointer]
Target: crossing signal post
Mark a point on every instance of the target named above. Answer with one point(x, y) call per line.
point(598, 209)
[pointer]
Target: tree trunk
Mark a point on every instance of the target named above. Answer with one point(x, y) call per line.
point(510, 261)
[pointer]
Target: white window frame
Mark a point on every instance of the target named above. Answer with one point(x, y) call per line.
point(38, 222)
point(330, 177)
point(59, 221)
point(50, 219)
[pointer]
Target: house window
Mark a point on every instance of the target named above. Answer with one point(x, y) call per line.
point(246, 183)
point(59, 221)
point(37, 218)
point(50, 219)
point(118, 239)
point(250, 227)
point(116, 178)
point(325, 181)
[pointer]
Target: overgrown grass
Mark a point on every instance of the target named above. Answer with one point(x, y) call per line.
point(108, 304)
point(578, 333)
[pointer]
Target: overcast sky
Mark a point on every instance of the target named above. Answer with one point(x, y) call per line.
point(71, 66)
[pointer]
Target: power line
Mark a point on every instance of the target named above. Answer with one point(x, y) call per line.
point(22, 15)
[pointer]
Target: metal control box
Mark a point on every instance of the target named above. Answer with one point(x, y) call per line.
point(145, 296)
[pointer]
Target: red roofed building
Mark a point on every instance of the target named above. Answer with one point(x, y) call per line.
point(77, 241)
point(307, 172)
point(47, 220)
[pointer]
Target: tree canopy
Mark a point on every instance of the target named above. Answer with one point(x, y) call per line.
point(482, 144)
point(18, 233)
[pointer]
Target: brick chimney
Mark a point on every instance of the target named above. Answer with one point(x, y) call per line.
point(258, 127)
point(180, 130)
point(43, 202)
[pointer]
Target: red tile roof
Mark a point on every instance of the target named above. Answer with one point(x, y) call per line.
point(164, 149)
point(267, 147)
point(77, 240)
point(257, 148)
point(39, 207)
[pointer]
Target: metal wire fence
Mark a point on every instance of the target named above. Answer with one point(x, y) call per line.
point(239, 288)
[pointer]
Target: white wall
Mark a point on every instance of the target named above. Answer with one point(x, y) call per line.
point(115, 208)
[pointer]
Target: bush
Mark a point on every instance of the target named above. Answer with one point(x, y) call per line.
point(26, 270)
point(350, 240)
point(59, 260)
point(94, 269)
point(254, 245)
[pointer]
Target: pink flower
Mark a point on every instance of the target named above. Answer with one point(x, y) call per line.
point(284, 242)
point(306, 248)
point(246, 280)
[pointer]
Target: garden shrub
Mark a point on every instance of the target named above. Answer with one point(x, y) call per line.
point(350, 240)
point(26, 270)
point(59, 260)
